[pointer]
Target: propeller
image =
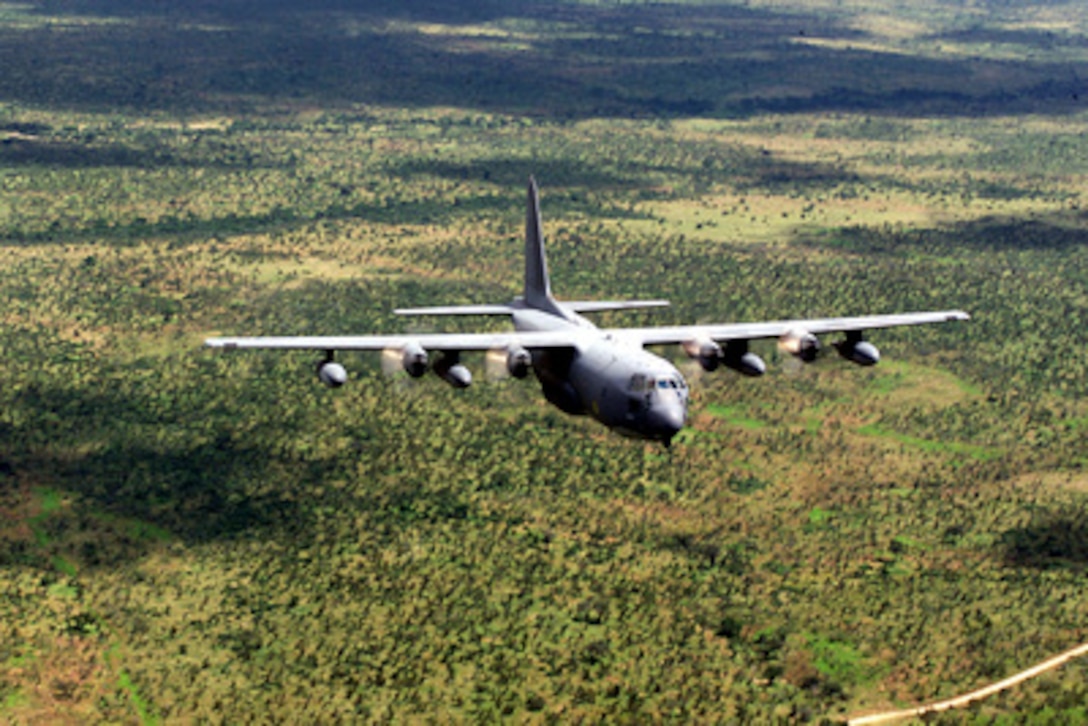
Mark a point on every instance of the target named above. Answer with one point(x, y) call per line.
point(791, 365)
point(391, 363)
point(502, 363)
point(392, 360)
point(495, 365)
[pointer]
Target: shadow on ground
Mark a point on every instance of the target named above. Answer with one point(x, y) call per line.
point(1055, 539)
point(555, 60)
point(1057, 232)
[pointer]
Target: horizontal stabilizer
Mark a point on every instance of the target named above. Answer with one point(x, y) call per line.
point(459, 310)
point(578, 306)
point(596, 306)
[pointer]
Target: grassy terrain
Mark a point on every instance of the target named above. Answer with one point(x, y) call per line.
point(194, 536)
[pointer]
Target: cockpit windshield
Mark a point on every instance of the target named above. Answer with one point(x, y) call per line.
point(648, 384)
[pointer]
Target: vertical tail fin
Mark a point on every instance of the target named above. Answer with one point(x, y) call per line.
point(538, 292)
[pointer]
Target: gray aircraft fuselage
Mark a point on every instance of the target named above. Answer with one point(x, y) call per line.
point(625, 387)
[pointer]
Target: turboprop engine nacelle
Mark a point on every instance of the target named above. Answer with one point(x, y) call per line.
point(332, 374)
point(858, 351)
point(735, 355)
point(705, 351)
point(800, 344)
point(518, 362)
point(413, 359)
point(450, 369)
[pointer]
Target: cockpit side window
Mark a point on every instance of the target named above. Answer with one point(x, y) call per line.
point(637, 383)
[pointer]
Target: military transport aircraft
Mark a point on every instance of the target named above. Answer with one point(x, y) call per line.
point(583, 369)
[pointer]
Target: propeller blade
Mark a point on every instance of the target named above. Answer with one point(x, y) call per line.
point(391, 362)
point(495, 365)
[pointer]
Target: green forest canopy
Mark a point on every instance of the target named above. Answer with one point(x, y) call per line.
point(199, 536)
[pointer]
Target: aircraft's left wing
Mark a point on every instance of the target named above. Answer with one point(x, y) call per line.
point(459, 342)
point(725, 332)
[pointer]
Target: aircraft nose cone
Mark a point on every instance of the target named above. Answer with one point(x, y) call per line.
point(666, 421)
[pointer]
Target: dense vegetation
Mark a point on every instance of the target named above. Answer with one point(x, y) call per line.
point(197, 536)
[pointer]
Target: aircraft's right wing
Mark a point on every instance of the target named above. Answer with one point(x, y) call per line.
point(454, 342)
point(725, 332)
point(412, 350)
